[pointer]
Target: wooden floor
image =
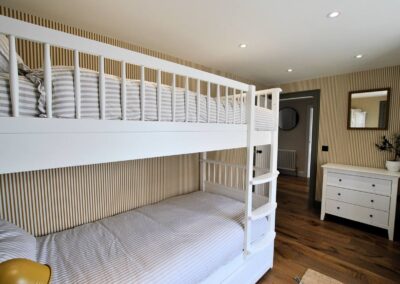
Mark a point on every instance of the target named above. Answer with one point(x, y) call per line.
point(347, 251)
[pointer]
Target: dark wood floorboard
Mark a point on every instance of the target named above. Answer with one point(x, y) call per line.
point(347, 251)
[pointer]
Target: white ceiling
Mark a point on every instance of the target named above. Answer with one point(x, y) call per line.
point(280, 34)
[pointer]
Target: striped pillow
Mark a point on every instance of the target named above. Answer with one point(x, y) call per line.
point(16, 243)
point(4, 54)
point(64, 94)
point(28, 97)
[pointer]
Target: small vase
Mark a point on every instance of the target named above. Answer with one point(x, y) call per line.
point(393, 166)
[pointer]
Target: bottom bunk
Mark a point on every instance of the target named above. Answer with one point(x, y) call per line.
point(185, 239)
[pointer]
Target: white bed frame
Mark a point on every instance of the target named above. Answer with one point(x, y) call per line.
point(28, 143)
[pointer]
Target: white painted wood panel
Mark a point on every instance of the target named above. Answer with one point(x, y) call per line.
point(360, 198)
point(365, 195)
point(358, 213)
point(362, 183)
point(57, 149)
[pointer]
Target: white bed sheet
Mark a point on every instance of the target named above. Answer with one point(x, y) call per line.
point(179, 240)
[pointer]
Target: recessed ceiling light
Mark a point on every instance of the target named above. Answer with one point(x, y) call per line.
point(242, 45)
point(333, 14)
point(358, 56)
point(290, 70)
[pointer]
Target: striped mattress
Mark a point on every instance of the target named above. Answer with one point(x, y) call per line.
point(182, 239)
point(32, 100)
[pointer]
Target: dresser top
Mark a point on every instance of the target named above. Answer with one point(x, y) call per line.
point(361, 169)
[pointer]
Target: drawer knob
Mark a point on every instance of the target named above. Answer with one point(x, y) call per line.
point(372, 201)
point(339, 194)
point(373, 185)
point(371, 215)
point(338, 207)
point(340, 179)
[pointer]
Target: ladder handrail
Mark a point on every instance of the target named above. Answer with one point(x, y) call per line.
point(250, 105)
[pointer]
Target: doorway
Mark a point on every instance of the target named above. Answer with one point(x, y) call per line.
point(298, 140)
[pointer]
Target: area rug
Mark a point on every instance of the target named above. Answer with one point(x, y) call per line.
point(314, 277)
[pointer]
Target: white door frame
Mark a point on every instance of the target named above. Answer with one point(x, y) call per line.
point(310, 117)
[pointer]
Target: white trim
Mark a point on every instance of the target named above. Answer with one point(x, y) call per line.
point(47, 80)
point(13, 70)
point(77, 85)
point(123, 89)
point(102, 88)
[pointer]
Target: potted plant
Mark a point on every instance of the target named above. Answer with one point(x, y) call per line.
point(386, 145)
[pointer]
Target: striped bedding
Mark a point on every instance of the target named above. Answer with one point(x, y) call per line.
point(179, 240)
point(32, 101)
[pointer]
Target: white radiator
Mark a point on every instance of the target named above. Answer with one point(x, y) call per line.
point(287, 160)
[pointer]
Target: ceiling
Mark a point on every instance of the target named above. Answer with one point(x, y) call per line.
point(280, 34)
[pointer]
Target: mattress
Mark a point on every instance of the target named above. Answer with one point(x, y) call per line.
point(32, 100)
point(182, 239)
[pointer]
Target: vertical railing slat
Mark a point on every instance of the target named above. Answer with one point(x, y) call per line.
point(123, 89)
point(218, 102)
point(226, 105)
point(13, 69)
point(102, 88)
point(173, 96)
point(203, 167)
point(208, 102)
point(159, 99)
point(241, 107)
point(187, 98)
point(47, 80)
point(234, 106)
point(77, 85)
point(250, 106)
point(198, 99)
point(142, 93)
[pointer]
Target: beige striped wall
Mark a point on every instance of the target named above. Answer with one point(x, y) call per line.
point(52, 200)
point(353, 147)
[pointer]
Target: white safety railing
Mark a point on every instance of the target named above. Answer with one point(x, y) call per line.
point(52, 38)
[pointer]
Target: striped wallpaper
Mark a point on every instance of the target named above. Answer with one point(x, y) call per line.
point(47, 201)
point(353, 147)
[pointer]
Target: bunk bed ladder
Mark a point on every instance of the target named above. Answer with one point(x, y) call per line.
point(268, 209)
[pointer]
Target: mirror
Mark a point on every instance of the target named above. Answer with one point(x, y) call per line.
point(368, 109)
point(288, 118)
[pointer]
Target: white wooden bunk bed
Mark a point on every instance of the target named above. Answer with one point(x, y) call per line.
point(168, 121)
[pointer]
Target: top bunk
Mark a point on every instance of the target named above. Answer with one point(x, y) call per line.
point(61, 116)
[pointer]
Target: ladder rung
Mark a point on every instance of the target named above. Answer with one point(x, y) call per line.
point(263, 211)
point(263, 243)
point(265, 178)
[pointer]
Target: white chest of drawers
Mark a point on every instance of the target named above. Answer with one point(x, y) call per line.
point(361, 194)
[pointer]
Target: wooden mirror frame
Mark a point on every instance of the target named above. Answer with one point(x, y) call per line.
point(368, 128)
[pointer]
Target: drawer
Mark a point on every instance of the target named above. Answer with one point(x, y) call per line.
point(355, 197)
point(367, 184)
point(357, 213)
